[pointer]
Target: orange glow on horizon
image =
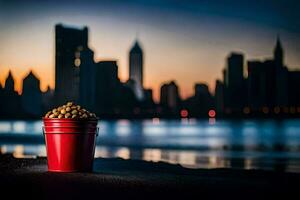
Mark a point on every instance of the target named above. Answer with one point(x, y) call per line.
point(168, 55)
point(46, 77)
point(19, 75)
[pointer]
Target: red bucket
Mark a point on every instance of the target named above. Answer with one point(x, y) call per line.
point(70, 144)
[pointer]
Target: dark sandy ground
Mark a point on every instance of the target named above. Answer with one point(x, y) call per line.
point(134, 179)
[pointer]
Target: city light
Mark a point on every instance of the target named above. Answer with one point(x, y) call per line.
point(184, 113)
point(211, 113)
point(77, 62)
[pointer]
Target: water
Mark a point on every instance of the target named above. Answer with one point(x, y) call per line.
point(246, 144)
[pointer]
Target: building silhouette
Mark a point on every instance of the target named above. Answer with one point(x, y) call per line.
point(219, 96)
point(234, 70)
point(262, 85)
point(278, 54)
point(256, 85)
point(9, 85)
point(268, 89)
point(148, 97)
point(136, 62)
point(169, 97)
point(31, 96)
point(294, 91)
point(199, 104)
point(48, 99)
point(107, 83)
point(87, 85)
point(267, 82)
point(68, 42)
point(10, 97)
point(234, 82)
point(281, 78)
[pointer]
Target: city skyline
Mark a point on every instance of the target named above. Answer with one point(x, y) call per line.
point(185, 42)
point(268, 90)
point(19, 84)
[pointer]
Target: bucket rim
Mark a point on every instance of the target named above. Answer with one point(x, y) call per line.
point(70, 119)
point(77, 133)
point(87, 126)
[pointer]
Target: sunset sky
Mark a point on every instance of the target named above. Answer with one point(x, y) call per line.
point(186, 41)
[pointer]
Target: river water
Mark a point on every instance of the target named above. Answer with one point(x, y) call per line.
point(243, 144)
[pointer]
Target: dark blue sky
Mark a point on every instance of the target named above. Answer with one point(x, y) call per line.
point(282, 14)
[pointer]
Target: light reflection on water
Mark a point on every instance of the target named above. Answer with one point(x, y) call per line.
point(191, 143)
point(188, 158)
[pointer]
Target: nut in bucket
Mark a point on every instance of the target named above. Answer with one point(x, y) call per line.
point(70, 134)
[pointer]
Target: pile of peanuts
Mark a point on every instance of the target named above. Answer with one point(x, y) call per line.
point(70, 110)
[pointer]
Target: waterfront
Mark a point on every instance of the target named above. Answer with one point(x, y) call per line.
point(245, 144)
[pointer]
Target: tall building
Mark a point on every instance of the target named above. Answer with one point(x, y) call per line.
point(47, 99)
point(256, 84)
point(169, 95)
point(219, 96)
point(278, 54)
point(10, 97)
point(87, 76)
point(261, 84)
point(268, 81)
point(235, 70)
point(136, 69)
point(9, 85)
point(234, 82)
point(281, 77)
point(31, 96)
point(107, 83)
point(294, 88)
point(67, 43)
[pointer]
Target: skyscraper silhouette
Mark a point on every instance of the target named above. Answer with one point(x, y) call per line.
point(136, 69)
point(67, 43)
point(10, 97)
point(268, 81)
point(107, 83)
point(281, 82)
point(169, 96)
point(294, 89)
point(256, 84)
point(219, 96)
point(278, 53)
point(234, 70)
point(234, 82)
point(9, 85)
point(31, 96)
point(87, 76)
